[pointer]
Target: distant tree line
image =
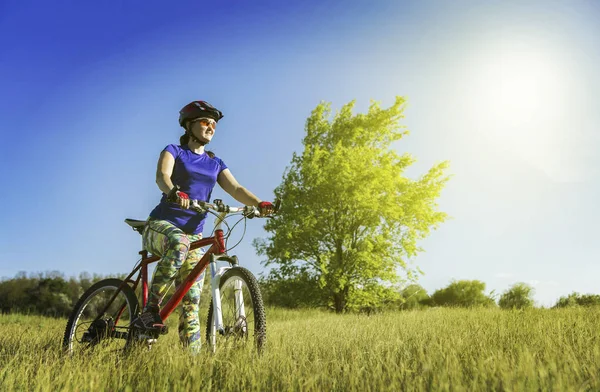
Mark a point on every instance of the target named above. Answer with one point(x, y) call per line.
point(48, 293)
point(52, 294)
point(303, 291)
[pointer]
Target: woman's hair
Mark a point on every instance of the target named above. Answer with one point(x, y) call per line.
point(185, 139)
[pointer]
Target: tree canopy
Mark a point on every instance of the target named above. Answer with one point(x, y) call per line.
point(350, 218)
point(518, 296)
point(577, 299)
point(463, 293)
point(413, 296)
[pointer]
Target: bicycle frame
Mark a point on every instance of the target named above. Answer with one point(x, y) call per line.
point(215, 253)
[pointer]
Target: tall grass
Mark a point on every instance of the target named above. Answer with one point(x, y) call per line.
point(436, 349)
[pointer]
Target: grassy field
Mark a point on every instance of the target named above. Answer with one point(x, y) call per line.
point(437, 349)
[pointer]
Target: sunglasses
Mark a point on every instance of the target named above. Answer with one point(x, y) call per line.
point(205, 121)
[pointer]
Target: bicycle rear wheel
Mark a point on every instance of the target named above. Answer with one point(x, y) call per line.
point(244, 319)
point(101, 318)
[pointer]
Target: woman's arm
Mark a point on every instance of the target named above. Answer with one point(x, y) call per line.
point(230, 185)
point(164, 170)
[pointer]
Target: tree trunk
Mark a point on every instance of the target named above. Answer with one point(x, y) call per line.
point(339, 302)
point(339, 297)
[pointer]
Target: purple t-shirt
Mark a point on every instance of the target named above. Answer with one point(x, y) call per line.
point(196, 175)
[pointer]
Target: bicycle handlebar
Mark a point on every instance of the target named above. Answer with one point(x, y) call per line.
point(219, 206)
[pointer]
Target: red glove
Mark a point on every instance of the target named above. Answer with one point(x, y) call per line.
point(266, 207)
point(175, 195)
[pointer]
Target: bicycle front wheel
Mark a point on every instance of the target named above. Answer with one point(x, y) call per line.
point(101, 318)
point(244, 319)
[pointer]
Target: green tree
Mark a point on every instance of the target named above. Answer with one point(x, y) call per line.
point(568, 301)
point(463, 293)
point(576, 299)
point(14, 294)
point(350, 217)
point(589, 300)
point(298, 291)
point(413, 296)
point(50, 295)
point(518, 296)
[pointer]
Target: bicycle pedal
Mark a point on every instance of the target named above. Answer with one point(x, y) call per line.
point(163, 330)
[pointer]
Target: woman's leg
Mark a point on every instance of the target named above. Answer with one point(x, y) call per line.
point(189, 322)
point(162, 238)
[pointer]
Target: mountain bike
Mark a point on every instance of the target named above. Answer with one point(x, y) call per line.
point(103, 315)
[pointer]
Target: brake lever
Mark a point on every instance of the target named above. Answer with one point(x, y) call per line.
point(197, 207)
point(251, 212)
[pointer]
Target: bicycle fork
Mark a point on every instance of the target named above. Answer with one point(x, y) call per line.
point(240, 312)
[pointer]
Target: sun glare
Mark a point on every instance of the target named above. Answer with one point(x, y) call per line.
point(519, 101)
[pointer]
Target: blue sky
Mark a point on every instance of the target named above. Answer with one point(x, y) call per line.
point(506, 91)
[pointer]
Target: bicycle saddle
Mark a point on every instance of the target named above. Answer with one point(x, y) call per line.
point(137, 225)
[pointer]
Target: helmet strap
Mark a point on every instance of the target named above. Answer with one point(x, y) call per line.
point(194, 138)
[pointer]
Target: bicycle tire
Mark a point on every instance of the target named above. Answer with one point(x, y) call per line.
point(101, 330)
point(257, 326)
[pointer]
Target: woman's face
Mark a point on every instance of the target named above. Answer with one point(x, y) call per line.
point(204, 128)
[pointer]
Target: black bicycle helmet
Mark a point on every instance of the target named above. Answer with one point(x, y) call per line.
point(198, 109)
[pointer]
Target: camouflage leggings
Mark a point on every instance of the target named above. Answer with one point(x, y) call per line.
point(162, 238)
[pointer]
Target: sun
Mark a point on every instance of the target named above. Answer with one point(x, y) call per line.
point(519, 101)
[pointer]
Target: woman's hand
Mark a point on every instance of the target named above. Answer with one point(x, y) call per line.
point(266, 208)
point(183, 199)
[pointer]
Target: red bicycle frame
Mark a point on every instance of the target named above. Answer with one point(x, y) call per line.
point(217, 247)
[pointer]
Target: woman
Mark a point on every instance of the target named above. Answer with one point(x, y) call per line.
point(172, 226)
